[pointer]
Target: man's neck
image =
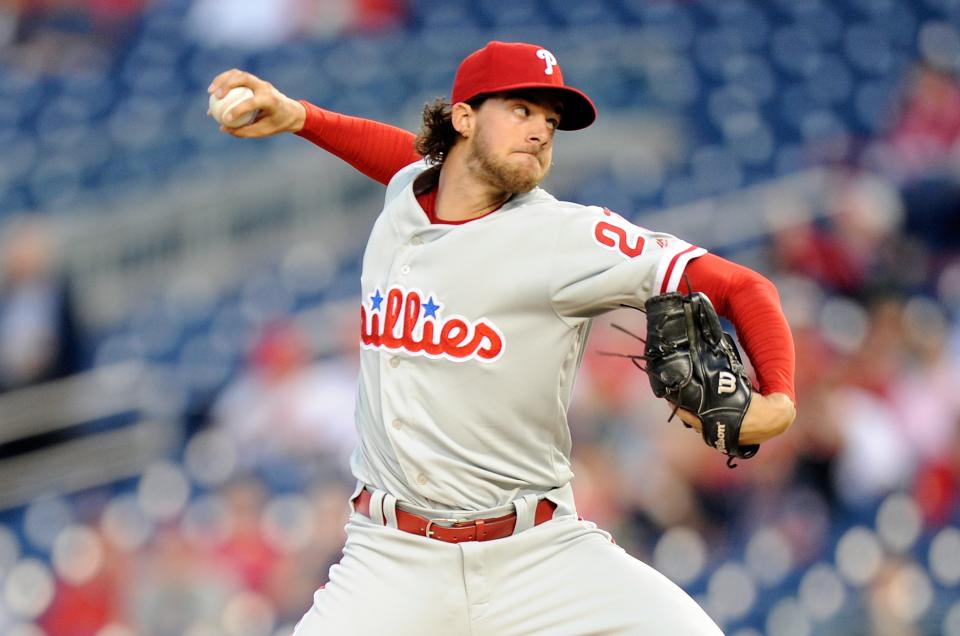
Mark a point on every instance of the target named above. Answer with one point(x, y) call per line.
point(461, 196)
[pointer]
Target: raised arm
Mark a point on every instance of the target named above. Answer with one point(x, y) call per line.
point(752, 305)
point(377, 150)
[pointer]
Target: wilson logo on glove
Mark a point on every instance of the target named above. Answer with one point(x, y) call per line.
point(722, 438)
point(728, 383)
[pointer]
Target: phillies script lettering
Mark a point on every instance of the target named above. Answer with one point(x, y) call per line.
point(401, 321)
point(615, 234)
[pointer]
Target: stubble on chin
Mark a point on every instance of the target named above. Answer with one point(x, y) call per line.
point(502, 175)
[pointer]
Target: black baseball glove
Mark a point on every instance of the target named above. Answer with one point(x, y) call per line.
point(696, 366)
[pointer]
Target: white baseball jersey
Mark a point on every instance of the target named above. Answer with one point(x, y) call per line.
point(471, 336)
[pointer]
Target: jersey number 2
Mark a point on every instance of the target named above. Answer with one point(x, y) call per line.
point(616, 237)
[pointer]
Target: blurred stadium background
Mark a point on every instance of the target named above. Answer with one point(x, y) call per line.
point(177, 307)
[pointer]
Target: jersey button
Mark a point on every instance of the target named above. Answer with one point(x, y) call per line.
point(397, 424)
point(422, 479)
point(394, 362)
point(405, 269)
point(416, 240)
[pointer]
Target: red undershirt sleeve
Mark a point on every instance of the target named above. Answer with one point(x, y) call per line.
point(377, 150)
point(752, 305)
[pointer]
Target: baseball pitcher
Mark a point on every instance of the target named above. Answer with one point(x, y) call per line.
point(478, 291)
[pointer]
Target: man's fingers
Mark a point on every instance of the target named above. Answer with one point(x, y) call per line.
point(689, 418)
point(276, 112)
point(243, 109)
point(223, 82)
point(264, 101)
point(263, 127)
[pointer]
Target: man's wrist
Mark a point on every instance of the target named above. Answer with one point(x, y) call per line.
point(768, 416)
point(298, 116)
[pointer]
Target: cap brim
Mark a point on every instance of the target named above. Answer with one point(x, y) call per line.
point(578, 110)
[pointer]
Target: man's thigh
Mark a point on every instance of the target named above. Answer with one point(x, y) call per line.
point(389, 582)
point(567, 578)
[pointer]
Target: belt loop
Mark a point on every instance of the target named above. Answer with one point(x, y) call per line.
point(526, 509)
point(390, 510)
point(359, 488)
point(376, 507)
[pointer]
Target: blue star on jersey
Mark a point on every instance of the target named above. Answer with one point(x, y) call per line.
point(430, 309)
point(411, 320)
point(375, 301)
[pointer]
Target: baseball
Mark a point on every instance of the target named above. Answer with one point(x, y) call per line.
point(220, 108)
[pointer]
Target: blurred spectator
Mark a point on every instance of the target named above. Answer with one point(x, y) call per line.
point(39, 339)
point(259, 25)
point(376, 15)
point(244, 551)
point(876, 457)
point(924, 395)
point(872, 462)
point(247, 25)
point(926, 130)
point(90, 574)
point(923, 388)
point(175, 587)
point(62, 36)
point(307, 545)
point(923, 155)
point(898, 596)
point(288, 414)
point(858, 250)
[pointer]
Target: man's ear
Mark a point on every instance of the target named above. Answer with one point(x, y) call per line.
point(462, 116)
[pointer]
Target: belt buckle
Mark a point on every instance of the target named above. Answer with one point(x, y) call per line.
point(430, 522)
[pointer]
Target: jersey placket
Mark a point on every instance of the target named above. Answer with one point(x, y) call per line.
point(396, 368)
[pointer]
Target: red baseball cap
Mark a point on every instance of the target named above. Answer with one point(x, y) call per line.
point(509, 66)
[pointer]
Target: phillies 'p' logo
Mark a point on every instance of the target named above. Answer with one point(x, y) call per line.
point(549, 59)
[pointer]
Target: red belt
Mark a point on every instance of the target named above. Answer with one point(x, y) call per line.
point(459, 531)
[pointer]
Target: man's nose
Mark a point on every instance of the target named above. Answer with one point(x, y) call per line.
point(539, 132)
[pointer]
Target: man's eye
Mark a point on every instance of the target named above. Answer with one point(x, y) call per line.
point(521, 110)
point(553, 123)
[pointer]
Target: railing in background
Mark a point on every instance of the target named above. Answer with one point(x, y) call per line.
point(743, 218)
point(209, 233)
point(112, 422)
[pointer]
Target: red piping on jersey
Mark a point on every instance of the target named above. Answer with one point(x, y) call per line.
point(673, 262)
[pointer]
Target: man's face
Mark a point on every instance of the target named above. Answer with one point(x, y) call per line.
point(513, 141)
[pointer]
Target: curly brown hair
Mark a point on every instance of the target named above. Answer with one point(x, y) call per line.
point(437, 134)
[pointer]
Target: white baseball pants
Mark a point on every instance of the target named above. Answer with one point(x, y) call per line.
point(562, 578)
